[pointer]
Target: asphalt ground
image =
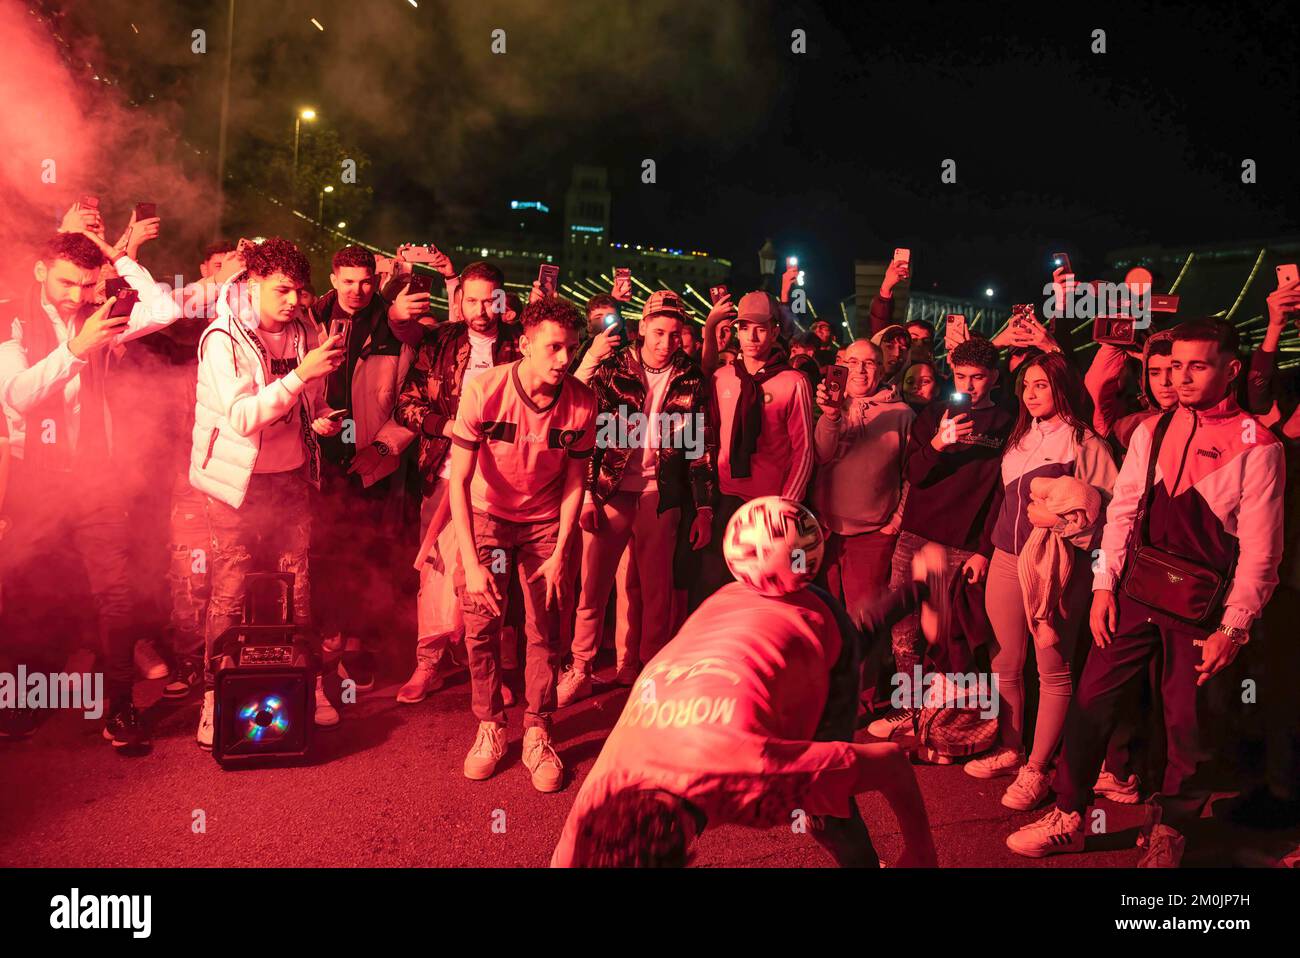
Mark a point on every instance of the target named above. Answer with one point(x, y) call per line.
point(385, 789)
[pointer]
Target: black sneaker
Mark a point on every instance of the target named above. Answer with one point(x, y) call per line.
point(358, 666)
point(125, 730)
point(17, 723)
point(187, 677)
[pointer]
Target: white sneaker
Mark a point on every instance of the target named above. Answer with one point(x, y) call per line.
point(149, 663)
point(327, 716)
point(425, 679)
point(1002, 761)
point(541, 760)
point(573, 685)
point(1164, 848)
point(1123, 791)
point(1028, 790)
point(205, 720)
point(1054, 833)
point(489, 747)
point(507, 696)
point(892, 724)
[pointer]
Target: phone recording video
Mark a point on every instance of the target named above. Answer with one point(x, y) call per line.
point(958, 403)
point(145, 211)
point(837, 377)
point(716, 294)
point(341, 327)
point(548, 277)
point(420, 283)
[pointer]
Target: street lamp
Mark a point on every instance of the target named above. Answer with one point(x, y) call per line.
point(767, 261)
point(308, 114)
point(320, 203)
point(988, 291)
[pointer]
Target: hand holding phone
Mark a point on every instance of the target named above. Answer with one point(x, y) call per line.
point(837, 378)
point(342, 328)
point(955, 424)
point(622, 288)
point(123, 304)
point(336, 415)
point(548, 277)
point(420, 283)
point(145, 211)
point(419, 254)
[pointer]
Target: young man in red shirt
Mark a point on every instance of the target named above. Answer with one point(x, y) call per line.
point(761, 415)
point(522, 436)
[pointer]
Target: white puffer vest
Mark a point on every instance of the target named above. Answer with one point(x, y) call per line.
point(221, 460)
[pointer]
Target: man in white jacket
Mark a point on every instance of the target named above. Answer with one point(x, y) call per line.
point(54, 365)
point(260, 406)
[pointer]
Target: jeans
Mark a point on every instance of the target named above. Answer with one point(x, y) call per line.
point(1004, 602)
point(509, 550)
point(353, 558)
point(629, 523)
point(187, 573)
point(55, 513)
point(858, 569)
point(277, 513)
point(711, 567)
point(1109, 672)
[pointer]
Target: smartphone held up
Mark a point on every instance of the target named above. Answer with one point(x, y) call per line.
point(548, 278)
point(837, 377)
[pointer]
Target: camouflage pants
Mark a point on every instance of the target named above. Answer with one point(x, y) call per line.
point(276, 515)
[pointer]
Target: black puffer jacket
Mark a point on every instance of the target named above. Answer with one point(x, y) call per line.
point(620, 383)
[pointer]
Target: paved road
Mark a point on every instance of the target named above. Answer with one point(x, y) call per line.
point(387, 790)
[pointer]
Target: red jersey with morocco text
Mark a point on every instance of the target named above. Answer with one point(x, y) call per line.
point(523, 449)
point(724, 714)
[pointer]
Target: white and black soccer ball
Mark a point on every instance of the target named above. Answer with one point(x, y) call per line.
point(773, 545)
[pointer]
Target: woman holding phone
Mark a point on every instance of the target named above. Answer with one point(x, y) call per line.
point(1057, 475)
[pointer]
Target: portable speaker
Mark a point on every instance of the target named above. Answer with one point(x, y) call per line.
point(265, 685)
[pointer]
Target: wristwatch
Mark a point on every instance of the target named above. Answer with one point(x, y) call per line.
point(381, 447)
point(1238, 636)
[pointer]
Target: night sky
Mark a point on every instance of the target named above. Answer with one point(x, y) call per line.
point(835, 153)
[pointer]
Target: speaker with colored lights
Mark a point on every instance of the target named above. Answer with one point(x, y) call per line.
point(265, 683)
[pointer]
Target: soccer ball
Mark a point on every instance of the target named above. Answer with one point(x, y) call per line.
point(773, 545)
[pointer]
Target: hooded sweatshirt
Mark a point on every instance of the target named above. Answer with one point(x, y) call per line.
point(858, 487)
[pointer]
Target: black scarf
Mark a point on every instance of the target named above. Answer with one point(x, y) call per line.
point(748, 421)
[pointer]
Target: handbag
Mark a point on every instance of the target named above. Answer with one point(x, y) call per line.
point(1162, 580)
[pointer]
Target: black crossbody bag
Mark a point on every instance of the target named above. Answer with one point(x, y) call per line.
point(1161, 580)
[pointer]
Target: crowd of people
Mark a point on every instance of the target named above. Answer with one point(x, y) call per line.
point(1117, 519)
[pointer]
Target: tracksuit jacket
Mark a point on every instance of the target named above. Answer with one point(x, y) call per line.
point(1216, 499)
